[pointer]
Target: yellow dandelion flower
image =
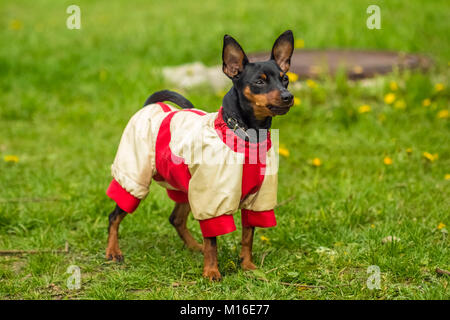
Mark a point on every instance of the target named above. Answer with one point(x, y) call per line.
point(263, 238)
point(443, 114)
point(15, 25)
point(311, 83)
point(232, 264)
point(292, 76)
point(364, 108)
point(426, 102)
point(393, 86)
point(409, 150)
point(316, 162)
point(387, 161)
point(297, 101)
point(372, 226)
point(447, 176)
point(440, 226)
point(358, 69)
point(389, 98)
point(299, 43)
point(438, 87)
point(400, 104)
point(283, 151)
point(11, 158)
point(430, 157)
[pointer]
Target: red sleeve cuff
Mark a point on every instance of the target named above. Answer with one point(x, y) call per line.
point(217, 226)
point(262, 219)
point(126, 201)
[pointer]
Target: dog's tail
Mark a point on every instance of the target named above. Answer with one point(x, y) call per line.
point(166, 95)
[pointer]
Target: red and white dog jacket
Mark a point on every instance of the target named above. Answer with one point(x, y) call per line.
point(198, 159)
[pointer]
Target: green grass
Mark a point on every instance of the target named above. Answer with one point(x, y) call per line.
point(66, 96)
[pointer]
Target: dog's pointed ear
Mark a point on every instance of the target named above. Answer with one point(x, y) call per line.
point(233, 57)
point(282, 50)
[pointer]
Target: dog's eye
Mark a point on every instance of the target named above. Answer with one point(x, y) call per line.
point(260, 82)
point(285, 80)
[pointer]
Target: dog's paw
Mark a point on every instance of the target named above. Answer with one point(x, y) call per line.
point(212, 274)
point(114, 256)
point(248, 265)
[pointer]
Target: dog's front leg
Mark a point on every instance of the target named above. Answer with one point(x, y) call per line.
point(113, 251)
point(246, 250)
point(211, 265)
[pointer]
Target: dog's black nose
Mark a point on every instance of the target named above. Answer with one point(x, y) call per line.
point(286, 96)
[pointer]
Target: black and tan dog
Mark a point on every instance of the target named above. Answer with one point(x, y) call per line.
point(150, 149)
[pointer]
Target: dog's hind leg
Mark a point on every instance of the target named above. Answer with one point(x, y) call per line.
point(112, 250)
point(246, 250)
point(178, 219)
